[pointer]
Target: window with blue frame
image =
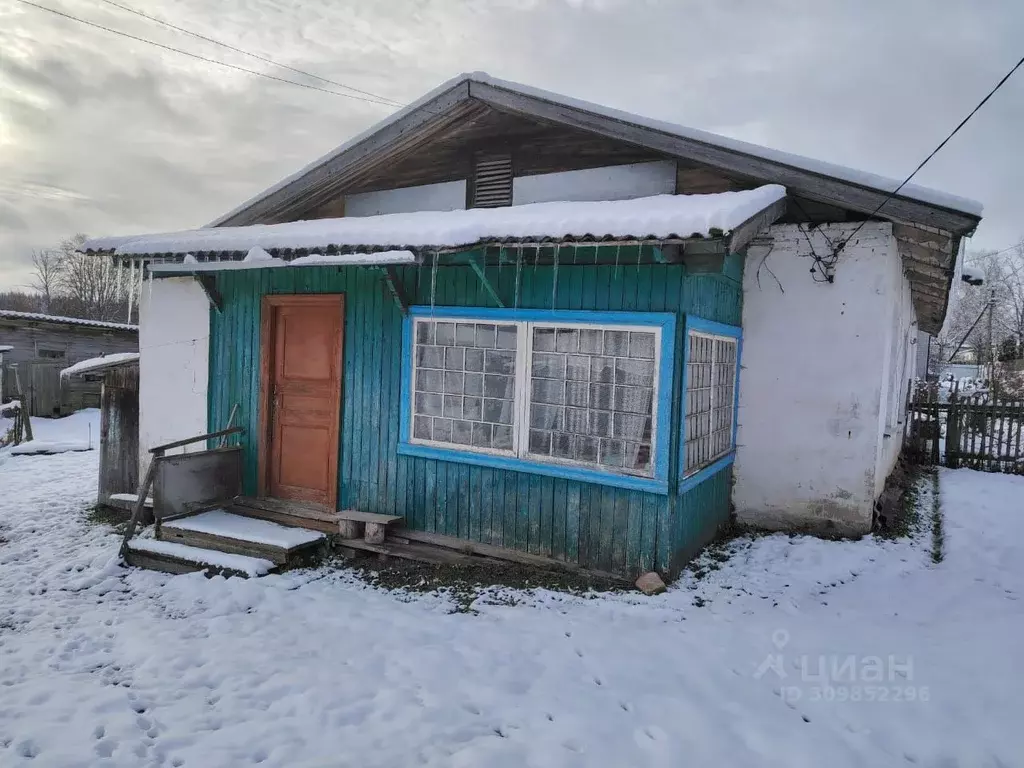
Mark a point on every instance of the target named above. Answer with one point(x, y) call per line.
point(585, 395)
point(712, 365)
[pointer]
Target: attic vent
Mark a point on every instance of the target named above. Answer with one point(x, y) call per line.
point(492, 181)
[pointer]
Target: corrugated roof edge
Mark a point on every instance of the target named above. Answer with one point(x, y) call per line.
point(851, 175)
point(9, 313)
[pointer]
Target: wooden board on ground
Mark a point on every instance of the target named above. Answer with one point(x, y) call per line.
point(418, 552)
point(500, 553)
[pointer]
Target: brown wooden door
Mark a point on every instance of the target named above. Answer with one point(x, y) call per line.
point(301, 397)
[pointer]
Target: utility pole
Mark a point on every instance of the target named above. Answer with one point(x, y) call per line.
point(991, 341)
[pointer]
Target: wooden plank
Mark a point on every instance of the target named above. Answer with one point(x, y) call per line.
point(284, 518)
point(501, 553)
point(197, 439)
point(295, 509)
point(368, 517)
point(278, 555)
point(418, 552)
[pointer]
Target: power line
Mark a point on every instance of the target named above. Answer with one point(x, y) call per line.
point(228, 46)
point(935, 151)
point(200, 58)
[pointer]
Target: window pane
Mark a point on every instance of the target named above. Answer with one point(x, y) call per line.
point(641, 345)
point(507, 337)
point(428, 404)
point(544, 340)
point(464, 386)
point(430, 357)
point(501, 437)
point(474, 359)
point(465, 334)
point(710, 400)
point(421, 428)
point(454, 358)
point(607, 394)
point(424, 332)
point(462, 432)
point(445, 334)
point(548, 366)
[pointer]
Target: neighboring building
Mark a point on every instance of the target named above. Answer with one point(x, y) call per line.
point(41, 345)
point(554, 377)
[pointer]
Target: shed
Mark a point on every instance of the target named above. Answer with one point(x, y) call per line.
point(39, 346)
point(117, 376)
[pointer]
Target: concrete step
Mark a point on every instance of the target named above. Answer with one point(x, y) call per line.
point(242, 535)
point(172, 557)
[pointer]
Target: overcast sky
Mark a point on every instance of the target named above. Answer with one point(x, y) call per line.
point(104, 135)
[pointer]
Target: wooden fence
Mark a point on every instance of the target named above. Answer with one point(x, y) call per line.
point(975, 430)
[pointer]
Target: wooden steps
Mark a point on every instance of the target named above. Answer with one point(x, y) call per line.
point(174, 557)
point(241, 535)
point(287, 513)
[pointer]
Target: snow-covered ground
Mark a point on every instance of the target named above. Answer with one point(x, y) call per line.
point(794, 652)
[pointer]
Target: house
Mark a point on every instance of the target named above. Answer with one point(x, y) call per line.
point(526, 322)
point(39, 346)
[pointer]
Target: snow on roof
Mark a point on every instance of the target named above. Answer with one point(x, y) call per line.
point(313, 260)
point(851, 175)
point(94, 364)
point(5, 348)
point(661, 216)
point(68, 320)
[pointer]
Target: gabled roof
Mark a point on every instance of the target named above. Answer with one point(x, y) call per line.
point(8, 314)
point(433, 137)
point(452, 102)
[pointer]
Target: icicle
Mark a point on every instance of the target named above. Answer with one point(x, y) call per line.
point(554, 277)
point(519, 273)
point(618, 250)
point(131, 287)
point(120, 269)
point(149, 279)
point(639, 253)
point(433, 283)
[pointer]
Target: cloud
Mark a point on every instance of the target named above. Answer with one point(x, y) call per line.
point(104, 135)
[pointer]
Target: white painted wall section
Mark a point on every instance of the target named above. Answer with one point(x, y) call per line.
point(816, 379)
point(448, 196)
point(617, 182)
point(174, 346)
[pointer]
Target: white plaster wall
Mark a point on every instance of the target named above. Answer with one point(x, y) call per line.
point(448, 196)
point(814, 383)
point(901, 368)
point(618, 182)
point(174, 343)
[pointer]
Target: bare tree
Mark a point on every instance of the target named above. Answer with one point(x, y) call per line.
point(76, 284)
point(47, 265)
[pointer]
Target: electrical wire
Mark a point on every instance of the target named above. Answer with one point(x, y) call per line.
point(228, 46)
point(937, 149)
point(201, 58)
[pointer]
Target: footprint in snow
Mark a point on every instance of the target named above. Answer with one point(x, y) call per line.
point(99, 732)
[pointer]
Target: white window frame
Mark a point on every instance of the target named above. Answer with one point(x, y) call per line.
point(735, 340)
point(521, 392)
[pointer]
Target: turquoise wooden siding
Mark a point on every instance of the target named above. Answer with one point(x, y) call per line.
point(596, 526)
